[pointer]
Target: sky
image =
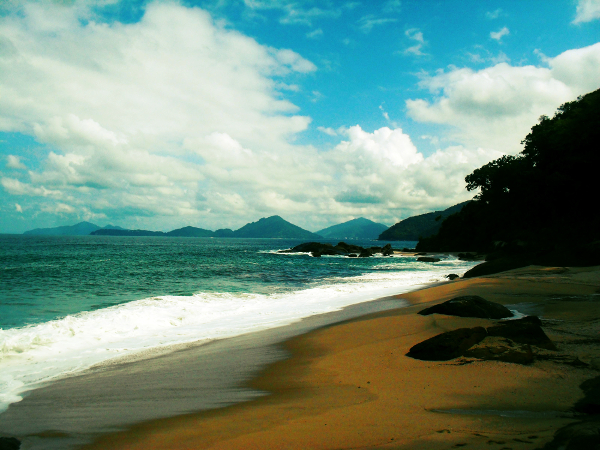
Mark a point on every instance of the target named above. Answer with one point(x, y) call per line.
point(162, 114)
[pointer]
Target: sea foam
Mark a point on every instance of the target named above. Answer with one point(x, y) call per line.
point(37, 354)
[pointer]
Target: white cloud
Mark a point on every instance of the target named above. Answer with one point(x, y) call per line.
point(126, 99)
point(14, 162)
point(496, 107)
point(295, 14)
point(18, 208)
point(315, 34)
point(493, 14)
point(329, 131)
point(155, 75)
point(416, 35)
point(384, 169)
point(497, 35)
point(392, 6)
point(367, 23)
point(59, 208)
point(587, 11)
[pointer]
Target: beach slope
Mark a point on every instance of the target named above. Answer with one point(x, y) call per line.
point(350, 385)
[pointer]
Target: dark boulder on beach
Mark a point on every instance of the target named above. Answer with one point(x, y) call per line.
point(469, 306)
point(590, 404)
point(387, 250)
point(452, 276)
point(510, 341)
point(9, 443)
point(449, 345)
point(527, 330)
point(501, 349)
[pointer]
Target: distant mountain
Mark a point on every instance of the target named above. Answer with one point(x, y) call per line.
point(224, 232)
point(80, 229)
point(273, 227)
point(423, 225)
point(360, 228)
point(190, 232)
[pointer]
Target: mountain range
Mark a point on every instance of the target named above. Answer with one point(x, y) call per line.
point(275, 227)
point(270, 227)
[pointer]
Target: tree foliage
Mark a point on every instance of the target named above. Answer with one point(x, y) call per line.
point(542, 198)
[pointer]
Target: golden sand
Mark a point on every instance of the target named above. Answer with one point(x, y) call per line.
point(350, 386)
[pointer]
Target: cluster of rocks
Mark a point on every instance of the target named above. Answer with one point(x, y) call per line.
point(508, 340)
point(317, 249)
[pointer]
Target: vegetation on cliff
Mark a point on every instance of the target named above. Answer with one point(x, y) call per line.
point(541, 204)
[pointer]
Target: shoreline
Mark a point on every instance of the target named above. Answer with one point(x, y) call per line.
point(322, 380)
point(111, 396)
point(350, 385)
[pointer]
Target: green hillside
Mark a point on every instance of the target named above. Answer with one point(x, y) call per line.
point(273, 227)
point(416, 227)
point(360, 228)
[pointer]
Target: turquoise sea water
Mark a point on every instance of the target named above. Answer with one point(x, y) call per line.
point(67, 303)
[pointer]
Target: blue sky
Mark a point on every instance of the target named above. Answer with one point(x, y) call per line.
point(161, 114)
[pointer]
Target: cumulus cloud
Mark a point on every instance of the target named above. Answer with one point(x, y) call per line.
point(587, 10)
point(125, 101)
point(384, 169)
point(18, 208)
point(150, 125)
point(496, 107)
point(14, 162)
point(498, 35)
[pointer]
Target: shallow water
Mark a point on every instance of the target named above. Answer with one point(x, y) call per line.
point(67, 303)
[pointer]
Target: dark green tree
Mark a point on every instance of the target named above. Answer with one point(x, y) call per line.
point(543, 200)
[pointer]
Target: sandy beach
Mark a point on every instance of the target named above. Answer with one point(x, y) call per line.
point(350, 385)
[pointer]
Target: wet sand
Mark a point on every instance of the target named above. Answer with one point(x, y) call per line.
point(350, 385)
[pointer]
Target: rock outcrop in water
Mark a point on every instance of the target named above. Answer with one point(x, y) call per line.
point(318, 249)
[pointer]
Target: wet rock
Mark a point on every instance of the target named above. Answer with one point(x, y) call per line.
point(447, 346)
point(469, 306)
point(527, 330)
point(348, 248)
point(452, 276)
point(577, 436)
point(428, 259)
point(9, 443)
point(387, 250)
point(590, 403)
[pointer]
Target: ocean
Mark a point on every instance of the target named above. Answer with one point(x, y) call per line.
point(68, 303)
